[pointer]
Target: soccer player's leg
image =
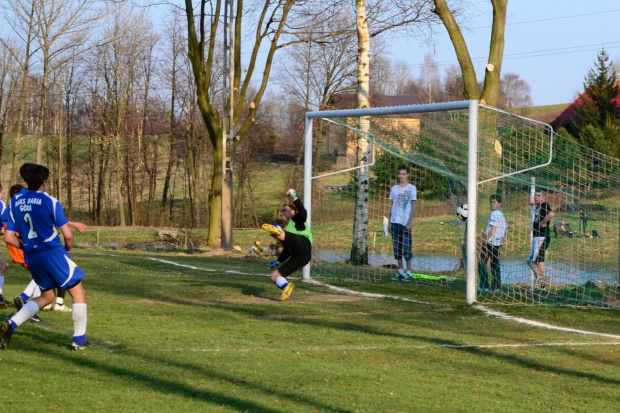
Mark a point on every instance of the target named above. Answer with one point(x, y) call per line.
point(80, 319)
point(27, 311)
point(60, 302)
point(483, 275)
point(540, 262)
point(397, 246)
point(407, 253)
point(3, 266)
point(67, 275)
point(278, 277)
point(301, 253)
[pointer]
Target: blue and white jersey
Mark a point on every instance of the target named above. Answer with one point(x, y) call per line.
point(6, 214)
point(2, 207)
point(35, 216)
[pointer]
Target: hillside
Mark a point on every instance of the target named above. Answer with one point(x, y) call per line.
point(546, 113)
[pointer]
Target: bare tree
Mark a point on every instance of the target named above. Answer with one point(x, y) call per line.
point(61, 26)
point(430, 81)
point(453, 84)
point(118, 66)
point(514, 92)
point(382, 15)
point(270, 18)
point(490, 90)
point(9, 79)
point(19, 15)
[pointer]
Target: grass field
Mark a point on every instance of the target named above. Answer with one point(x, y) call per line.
point(171, 332)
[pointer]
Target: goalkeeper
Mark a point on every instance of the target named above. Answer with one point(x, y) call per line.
point(297, 242)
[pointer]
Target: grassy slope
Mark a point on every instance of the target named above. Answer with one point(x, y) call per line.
point(172, 338)
point(546, 113)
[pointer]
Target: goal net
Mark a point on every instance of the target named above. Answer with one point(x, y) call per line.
point(461, 153)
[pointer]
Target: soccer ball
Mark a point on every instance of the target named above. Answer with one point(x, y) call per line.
point(461, 212)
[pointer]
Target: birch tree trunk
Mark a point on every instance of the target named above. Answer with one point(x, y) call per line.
point(359, 249)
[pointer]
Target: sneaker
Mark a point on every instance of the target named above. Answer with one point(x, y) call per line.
point(74, 346)
point(4, 303)
point(273, 230)
point(47, 307)
point(407, 278)
point(288, 290)
point(398, 277)
point(62, 308)
point(5, 335)
point(35, 319)
point(18, 302)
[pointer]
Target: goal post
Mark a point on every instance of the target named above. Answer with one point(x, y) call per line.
point(458, 153)
point(472, 193)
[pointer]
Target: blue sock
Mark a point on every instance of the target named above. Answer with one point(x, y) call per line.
point(80, 340)
point(13, 325)
point(24, 297)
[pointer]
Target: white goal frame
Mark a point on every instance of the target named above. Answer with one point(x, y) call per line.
point(472, 167)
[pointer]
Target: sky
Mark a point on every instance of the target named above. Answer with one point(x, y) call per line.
point(551, 44)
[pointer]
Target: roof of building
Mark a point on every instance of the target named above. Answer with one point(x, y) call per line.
point(349, 101)
point(569, 114)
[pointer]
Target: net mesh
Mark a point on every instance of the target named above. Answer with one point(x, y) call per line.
point(582, 187)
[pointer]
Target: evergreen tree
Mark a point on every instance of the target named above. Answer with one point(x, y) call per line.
point(597, 109)
point(594, 138)
point(600, 89)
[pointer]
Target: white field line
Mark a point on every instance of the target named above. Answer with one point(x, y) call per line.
point(381, 348)
point(383, 296)
point(192, 267)
point(542, 325)
point(366, 295)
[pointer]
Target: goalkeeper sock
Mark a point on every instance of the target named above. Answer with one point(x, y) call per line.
point(281, 282)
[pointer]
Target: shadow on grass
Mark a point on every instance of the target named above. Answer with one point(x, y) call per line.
point(166, 386)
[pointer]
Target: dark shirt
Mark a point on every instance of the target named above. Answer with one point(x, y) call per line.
point(539, 215)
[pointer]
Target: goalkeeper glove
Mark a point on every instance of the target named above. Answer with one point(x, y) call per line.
point(292, 194)
point(273, 264)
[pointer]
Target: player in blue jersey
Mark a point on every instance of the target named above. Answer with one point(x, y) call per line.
point(35, 216)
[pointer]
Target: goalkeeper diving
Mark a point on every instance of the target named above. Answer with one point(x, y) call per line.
point(297, 241)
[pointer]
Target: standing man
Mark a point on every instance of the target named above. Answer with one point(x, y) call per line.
point(35, 215)
point(402, 210)
point(493, 239)
point(297, 244)
point(541, 239)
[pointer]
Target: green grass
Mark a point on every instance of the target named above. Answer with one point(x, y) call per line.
point(173, 338)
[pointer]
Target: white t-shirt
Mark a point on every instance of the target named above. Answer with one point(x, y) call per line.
point(401, 203)
point(498, 221)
